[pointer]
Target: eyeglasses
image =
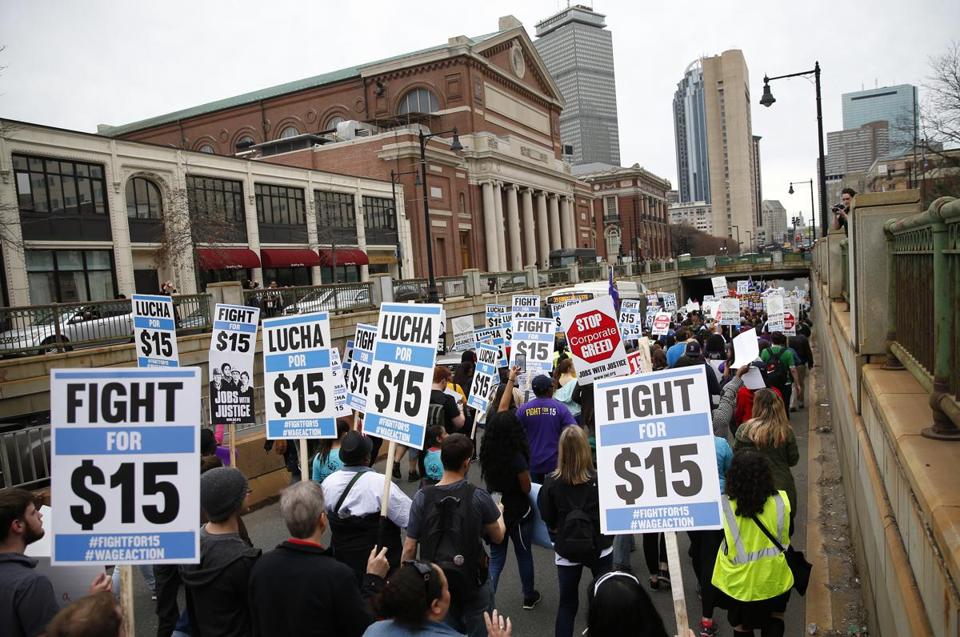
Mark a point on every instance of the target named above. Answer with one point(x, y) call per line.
point(426, 572)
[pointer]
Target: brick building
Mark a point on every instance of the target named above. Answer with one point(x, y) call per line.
point(505, 201)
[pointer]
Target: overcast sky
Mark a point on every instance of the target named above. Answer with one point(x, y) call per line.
point(78, 64)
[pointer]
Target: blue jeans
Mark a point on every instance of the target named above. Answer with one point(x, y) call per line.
point(467, 617)
point(521, 533)
point(569, 579)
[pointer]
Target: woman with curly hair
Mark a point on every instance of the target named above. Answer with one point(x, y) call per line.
point(505, 466)
point(770, 433)
point(751, 574)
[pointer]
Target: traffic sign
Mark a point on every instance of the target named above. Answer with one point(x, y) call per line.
point(593, 336)
point(125, 452)
point(155, 331)
point(657, 464)
point(361, 361)
point(298, 383)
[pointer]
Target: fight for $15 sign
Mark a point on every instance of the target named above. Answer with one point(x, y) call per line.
point(593, 336)
point(657, 464)
point(125, 452)
point(361, 360)
point(526, 306)
point(533, 338)
point(232, 348)
point(402, 375)
point(298, 383)
point(154, 331)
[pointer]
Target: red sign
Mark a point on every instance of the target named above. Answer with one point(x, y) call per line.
point(661, 323)
point(593, 336)
point(789, 322)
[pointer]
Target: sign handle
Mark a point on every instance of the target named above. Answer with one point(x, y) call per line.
point(233, 445)
point(304, 460)
point(676, 582)
point(388, 472)
point(126, 598)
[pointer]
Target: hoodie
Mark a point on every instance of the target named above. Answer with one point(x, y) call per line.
point(27, 600)
point(215, 585)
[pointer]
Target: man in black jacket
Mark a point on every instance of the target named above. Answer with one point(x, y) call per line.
point(299, 588)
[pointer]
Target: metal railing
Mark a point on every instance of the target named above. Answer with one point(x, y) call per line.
point(25, 457)
point(620, 270)
point(498, 282)
point(591, 272)
point(555, 276)
point(192, 312)
point(331, 297)
point(416, 289)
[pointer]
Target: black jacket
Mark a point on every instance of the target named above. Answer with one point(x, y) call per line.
point(300, 589)
point(557, 499)
point(216, 586)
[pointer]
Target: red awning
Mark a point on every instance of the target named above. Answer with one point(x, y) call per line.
point(289, 258)
point(227, 258)
point(344, 256)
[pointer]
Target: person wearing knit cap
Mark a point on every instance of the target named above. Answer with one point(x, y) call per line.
point(220, 579)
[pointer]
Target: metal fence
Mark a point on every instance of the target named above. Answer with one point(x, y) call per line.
point(331, 297)
point(591, 272)
point(416, 289)
point(192, 312)
point(25, 457)
point(498, 282)
point(555, 276)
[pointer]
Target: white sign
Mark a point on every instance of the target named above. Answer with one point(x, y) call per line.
point(484, 376)
point(669, 301)
point(70, 583)
point(462, 333)
point(403, 358)
point(657, 464)
point(661, 324)
point(298, 383)
point(339, 386)
point(593, 335)
point(232, 347)
point(497, 315)
point(124, 458)
point(790, 313)
point(640, 359)
point(746, 348)
point(526, 306)
point(631, 325)
point(533, 339)
point(155, 331)
point(743, 287)
point(730, 311)
point(774, 304)
point(719, 286)
point(494, 336)
point(358, 377)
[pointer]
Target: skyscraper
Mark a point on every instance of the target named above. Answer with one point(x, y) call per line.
point(690, 131)
point(897, 105)
point(578, 52)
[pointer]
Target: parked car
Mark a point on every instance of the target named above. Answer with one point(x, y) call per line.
point(406, 291)
point(80, 326)
point(331, 300)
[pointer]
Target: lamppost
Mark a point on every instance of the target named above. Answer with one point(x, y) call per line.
point(394, 180)
point(813, 213)
point(455, 146)
point(768, 100)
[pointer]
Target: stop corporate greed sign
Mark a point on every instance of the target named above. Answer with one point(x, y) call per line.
point(593, 336)
point(657, 466)
point(154, 331)
point(403, 359)
point(232, 348)
point(297, 377)
point(125, 452)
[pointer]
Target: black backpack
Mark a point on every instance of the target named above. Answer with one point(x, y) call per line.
point(577, 539)
point(777, 372)
point(450, 537)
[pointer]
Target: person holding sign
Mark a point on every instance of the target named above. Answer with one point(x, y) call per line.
point(543, 418)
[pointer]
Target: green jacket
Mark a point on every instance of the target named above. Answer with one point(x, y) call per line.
point(781, 459)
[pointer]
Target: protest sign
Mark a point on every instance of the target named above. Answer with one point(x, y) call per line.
point(155, 331)
point(533, 339)
point(669, 300)
point(403, 358)
point(730, 311)
point(347, 357)
point(719, 286)
point(746, 348)
point(526, 306)
point(651, 312)
point(462, 333)
point(653, 300)
point(442, 339)
point(358, 378)
point(631, 326)
point(484, 376)
point(743, 287)
point(661, 324)
point(339, 384)
point(124, 447)
point(640, 360)
point(655, 453)
point(497, 315)
point(232, 348)
point(774, 303)
point(790, 316)
point(494, 336)
point(297, 378)
point(594, 339)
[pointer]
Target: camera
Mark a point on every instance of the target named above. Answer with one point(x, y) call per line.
point(838, 207)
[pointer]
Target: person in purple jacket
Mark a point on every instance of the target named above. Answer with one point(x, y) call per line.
point(543, 418)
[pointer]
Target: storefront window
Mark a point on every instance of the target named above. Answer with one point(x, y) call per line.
point(345, 274)
point(287, 276)
point(61, 276)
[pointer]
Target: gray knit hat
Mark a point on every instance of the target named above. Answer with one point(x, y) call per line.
point(222, 491)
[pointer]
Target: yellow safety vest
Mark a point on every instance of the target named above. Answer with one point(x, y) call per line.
point(749, 567)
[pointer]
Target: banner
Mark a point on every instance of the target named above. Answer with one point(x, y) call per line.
point(719, 286)
point(631, 326)
point(656, 459)
point(526, 306)
point(484, 377)
point(593, 336)
point(532, 338)
point(358, 378)
point(232, 347)
point(403, 358)
point(462, 333)
point(124, 458)
point(298, 383)
point(155, 331)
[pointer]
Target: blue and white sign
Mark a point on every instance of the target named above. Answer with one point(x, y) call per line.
point(495, 336)
point(656, 460)
point(532, 338)
point(361, 364)
point(484, 376)
point(125, 447)
point(298, 382)
point(403, 358)
point(339, 386)
point(233, 345)
point(497, 315)
point(155, 331)
point(669, 300)
point(526, 306)
point(631, 325)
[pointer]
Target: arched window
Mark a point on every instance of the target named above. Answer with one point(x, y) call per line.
point(245, 142)
point(207, 148)
point(419, 100)
point(143, 199)
point(613, 243)
point(289, 131)
point(333, 121)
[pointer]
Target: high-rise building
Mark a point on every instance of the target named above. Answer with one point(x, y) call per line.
point(758, 182)
point(855, 150)
point(577, 50)
point(897, 105)
point(690, 131)
point(730, 143)
point(774, 221)
point(695, 214)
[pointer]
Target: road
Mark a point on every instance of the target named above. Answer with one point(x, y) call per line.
point(266, 529)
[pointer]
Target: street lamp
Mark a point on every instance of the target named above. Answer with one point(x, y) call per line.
point(813, 214)
point(455, 146)
point(768, 100)
point(394, 180)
